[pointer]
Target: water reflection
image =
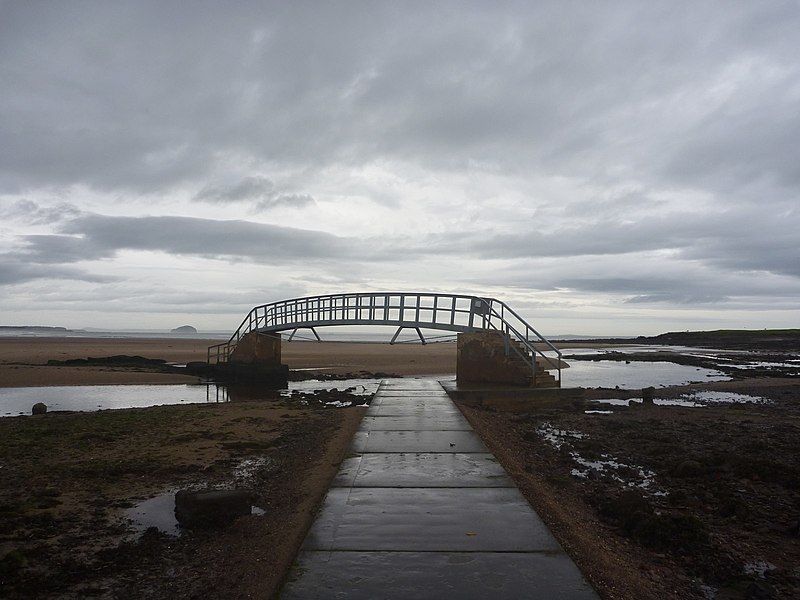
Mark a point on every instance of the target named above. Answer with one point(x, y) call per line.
point(83, 398)
point(635, 375)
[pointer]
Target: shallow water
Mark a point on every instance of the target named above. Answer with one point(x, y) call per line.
point(18, 401)
point(159, 511)
point(634, 375)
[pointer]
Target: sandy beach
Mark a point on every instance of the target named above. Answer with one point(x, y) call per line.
point(23, 360)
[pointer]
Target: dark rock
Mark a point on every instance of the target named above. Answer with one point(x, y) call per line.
point(647, 396)
point(690, 468)
point(12, 563)
point(211, 507)
point(39, 408)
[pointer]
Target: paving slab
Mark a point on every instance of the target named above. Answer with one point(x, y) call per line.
point(451, 422)
point(422, 469)
point(417, 441)
point(419, 401)
point(417, 397)
point(438, 575)
point(402, 410)
point(429, 519)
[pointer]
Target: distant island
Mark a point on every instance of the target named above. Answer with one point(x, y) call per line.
point(184, 329)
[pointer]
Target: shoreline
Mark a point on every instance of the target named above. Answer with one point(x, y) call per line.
point(23, 360)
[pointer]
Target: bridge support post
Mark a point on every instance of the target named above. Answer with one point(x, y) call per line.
point(417, 329)
point(257, 348)
point(483, 358)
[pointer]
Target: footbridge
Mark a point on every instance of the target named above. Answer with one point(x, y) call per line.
point(404, 310)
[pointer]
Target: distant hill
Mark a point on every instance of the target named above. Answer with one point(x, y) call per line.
point(733, 339)
point(740, 339)
point(184, 329)
point(31, 328)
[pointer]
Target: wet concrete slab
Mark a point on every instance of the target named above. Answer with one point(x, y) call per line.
point(417, 441)
point(438, 575)
point(416, 423)
point(421, 509)
point(422, 469)
point(429, 519)
point(411, 383)
point(405, 400)
point(402, 410)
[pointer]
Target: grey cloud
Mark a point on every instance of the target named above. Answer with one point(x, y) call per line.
point(14, 271)
point(676, 298)
point(104, 235)
point(34, 213)
point(59, 249)
point(249, 188)
point(142, 108)
point(258, 190)
point(736, 239)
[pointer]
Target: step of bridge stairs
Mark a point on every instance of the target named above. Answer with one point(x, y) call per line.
point(543, 378)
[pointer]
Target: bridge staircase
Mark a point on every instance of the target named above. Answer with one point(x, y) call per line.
point(541, 377)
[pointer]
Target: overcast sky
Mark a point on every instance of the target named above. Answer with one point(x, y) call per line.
point(603, 167)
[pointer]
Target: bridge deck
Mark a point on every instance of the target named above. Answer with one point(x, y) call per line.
point(423, 510)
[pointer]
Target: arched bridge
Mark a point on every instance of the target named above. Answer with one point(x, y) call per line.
point(404, 310)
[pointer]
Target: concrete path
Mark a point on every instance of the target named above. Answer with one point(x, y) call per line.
point(421, 509)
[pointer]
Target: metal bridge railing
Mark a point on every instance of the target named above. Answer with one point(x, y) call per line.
point(448, 312)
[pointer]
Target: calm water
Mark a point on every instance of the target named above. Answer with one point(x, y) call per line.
point(610, 373)
point(17, 401)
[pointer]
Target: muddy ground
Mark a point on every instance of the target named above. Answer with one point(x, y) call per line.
point(67, 481)
point(664, 501)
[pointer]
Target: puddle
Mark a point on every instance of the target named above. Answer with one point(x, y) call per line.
point(657, 401)
point(557, 437)
point(707, 397)
point(699, 399)
point(635, 375)
point(357, 387)
point(598, 412)
point(614, 401)
point(769, 365)
point(627, 474)
point(159, 511)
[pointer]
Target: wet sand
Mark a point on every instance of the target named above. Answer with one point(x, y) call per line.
point(23, 361)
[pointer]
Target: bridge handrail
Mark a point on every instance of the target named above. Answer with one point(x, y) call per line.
point(460, 313)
